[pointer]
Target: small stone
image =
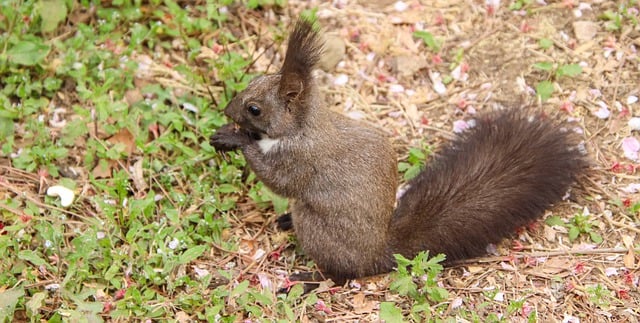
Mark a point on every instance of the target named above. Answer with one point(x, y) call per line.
point(334, 50)
point(585, 30)
point(133, 96)
point(407, 65)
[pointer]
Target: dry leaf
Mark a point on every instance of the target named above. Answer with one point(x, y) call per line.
point(475, 269)
point(556, 265)
point(133, 96)
point(627, 240)
point(138, 176)
point(125, 137)
point(549, 233)
point(182, 317)
point(362, 305)
point(407, 65)
point(253, 216)
point(103, 169)
point(629, 259)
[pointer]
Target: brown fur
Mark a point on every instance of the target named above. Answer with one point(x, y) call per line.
point(341, 174)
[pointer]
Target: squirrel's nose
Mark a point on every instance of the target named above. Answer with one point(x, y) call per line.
point(230, 110)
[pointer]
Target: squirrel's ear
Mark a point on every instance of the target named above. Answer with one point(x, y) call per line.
point(291, 86)
point(303, 52)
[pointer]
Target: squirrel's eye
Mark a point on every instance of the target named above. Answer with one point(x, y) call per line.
point(254, 110)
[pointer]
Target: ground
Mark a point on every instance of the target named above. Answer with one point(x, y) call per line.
point(114, 103)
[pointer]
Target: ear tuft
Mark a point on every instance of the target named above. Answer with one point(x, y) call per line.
point(303, 52)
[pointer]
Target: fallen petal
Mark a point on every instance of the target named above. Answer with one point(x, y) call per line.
point(634, 123)
point(603, 113)
point(630, 146)
point(66, 195)
point(341, 79)
point(460, 126)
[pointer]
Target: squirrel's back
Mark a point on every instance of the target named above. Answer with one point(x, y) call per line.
point(495, 177)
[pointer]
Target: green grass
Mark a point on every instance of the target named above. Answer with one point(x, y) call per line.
point(123, 249)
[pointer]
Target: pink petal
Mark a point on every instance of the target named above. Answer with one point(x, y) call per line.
point(631, 146)
point(460, 126)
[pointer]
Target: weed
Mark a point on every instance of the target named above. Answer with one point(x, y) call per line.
point(415, 162)
point(545, 89)
point(520, 4)
point(599, 295)
point(417, 279)
point(579, 224)
point(627, 13)
point(545, 43)
point(432, 43)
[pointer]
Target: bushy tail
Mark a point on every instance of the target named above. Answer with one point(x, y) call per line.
point(498, 176)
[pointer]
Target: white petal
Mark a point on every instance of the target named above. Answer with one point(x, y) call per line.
point(400, 6)
point(634, 123)
point(66, 195)
point(341, 79)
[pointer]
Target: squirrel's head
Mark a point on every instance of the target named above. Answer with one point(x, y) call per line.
point(277, 104)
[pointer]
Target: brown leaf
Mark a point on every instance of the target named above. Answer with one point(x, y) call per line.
point(362, 305)
point(407, 65)
point(549, 233)
point(475, 269)
point(630, 259)
point(253, 216)
point(133, 96)
point(138, 176)
point(627, 240)
point(125, 137)
point(103, 169)
point(556, 266)
point(183, 317)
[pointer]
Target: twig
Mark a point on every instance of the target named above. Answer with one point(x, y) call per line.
point(37, 202)
point(542, 254)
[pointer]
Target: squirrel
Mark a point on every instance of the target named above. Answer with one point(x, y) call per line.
point(341, 174)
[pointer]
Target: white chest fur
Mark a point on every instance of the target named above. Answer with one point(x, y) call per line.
point(267, 144)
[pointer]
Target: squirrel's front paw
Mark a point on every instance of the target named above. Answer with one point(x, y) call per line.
point(229, 137)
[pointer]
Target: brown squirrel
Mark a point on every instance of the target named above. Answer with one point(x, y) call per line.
point(341, 175)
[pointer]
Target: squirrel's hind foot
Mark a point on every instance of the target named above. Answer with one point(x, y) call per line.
point(284, 222)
